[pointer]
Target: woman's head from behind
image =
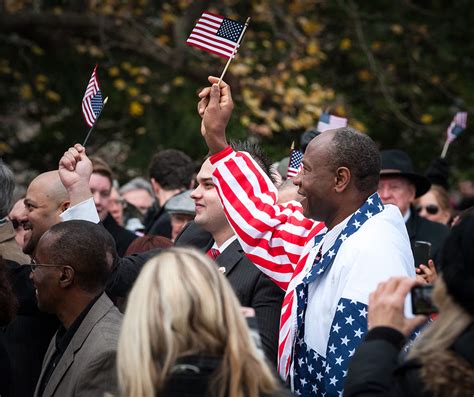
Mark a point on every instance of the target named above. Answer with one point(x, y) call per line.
point(434, 205)
point(181, 305)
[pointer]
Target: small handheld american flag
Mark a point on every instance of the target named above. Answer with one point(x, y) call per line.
point(329, 122)
point(92, 102)
point(216, 34)
point(457, 126)
point(294, 165)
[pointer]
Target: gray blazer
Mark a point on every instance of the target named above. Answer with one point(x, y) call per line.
point(88, 366)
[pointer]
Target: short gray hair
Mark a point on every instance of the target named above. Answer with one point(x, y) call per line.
point(7, 183)
point(136, 184)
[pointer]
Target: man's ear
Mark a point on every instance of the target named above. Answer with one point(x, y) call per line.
point(64, 205)
point(155, 185)
point(342, 179)
point(66, 278)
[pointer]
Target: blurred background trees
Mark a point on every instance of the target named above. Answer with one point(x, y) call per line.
point(398, 70)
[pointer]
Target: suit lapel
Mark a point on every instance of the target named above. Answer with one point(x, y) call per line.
point(98, 310)
point(230, 257)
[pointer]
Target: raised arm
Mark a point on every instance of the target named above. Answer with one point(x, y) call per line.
point(273, 236)
point(75, 170)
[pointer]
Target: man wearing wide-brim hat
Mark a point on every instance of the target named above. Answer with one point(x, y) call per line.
point(400, 185)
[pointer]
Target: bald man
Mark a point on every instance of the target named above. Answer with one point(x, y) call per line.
point(46, 198)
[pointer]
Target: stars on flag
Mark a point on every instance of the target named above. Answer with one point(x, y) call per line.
point(216, 34)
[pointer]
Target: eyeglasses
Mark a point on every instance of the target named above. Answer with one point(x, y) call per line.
point(34, 265)
point(15, 223)
point(431, 209)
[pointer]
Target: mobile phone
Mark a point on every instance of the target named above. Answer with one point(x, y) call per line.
point(421, 302)
point(421, 252)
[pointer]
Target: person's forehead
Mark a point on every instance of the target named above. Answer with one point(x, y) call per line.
point(100, 181)
point(206, 170)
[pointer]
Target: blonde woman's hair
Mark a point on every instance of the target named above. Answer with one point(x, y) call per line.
point(438, 338)
point(182, 305)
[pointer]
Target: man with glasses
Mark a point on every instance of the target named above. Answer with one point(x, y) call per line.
point(400, 185)
point(69, 272)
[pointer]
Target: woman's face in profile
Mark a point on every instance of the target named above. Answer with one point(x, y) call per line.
point(429, 208)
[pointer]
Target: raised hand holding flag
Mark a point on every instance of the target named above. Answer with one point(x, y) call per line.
point(92, 103)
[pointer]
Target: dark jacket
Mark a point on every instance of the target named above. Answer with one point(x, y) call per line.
point(252, 287)
point(123, 237)
point(376, 369)
point(421, 229)
point(157, 221)
point(192, 376)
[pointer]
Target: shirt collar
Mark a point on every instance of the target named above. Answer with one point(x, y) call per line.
point(407, 215)
point(226, 243)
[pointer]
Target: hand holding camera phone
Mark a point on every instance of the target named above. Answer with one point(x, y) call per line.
point(421, 252)
point(421, 300)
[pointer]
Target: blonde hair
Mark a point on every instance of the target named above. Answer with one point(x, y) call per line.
point(182, 305)
point(439, 336)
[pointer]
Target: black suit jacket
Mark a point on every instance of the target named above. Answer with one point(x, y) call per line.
point(252, 287)
point(123, 237)
point(421, 229)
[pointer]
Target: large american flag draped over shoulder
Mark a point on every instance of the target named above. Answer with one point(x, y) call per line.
point(294, 165)
point(330, 122)
point(216, 34)
point(92, 102)
point(457, 126)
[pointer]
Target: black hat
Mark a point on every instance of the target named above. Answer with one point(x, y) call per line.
point(457, 263)
point(396, 162)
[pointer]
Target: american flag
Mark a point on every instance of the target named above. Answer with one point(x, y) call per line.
point(457, 126)
point(294, 165)
point(92, 102)
point(329, 122)
point(216, 34)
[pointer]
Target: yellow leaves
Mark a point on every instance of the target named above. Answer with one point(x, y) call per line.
point(119, 84)
point(140, 80)
point(245, 120)
point(168, 19)
point(340, 111)
point(126, 66)
point(178, 81)
point(133, 91)
point(136, 109)
point(37, 50)
point(358, 125)
point(376, 45)
point(252, 102)
point(312, 48)
point(140, 131)
point(301, 80)
point(162, 40)
point(305, 119)
point(241, 69)
point(5, 148)
point(435, 79)
point(280, 44)
point(114, 71)
point(26, 92)
point(310, 27)
point(345, 44)
point(53, 96)
point(426, 118)
point(40, 82)
point(397, 29)
point(364, 75)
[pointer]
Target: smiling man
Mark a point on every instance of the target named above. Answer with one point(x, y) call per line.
point(45, 200)
point(327, 270)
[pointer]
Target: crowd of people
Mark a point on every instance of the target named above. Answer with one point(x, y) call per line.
point(225, 278)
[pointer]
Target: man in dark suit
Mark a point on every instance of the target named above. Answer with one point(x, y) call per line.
point(69, 274)
point(251, 286)
point(400, 185)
